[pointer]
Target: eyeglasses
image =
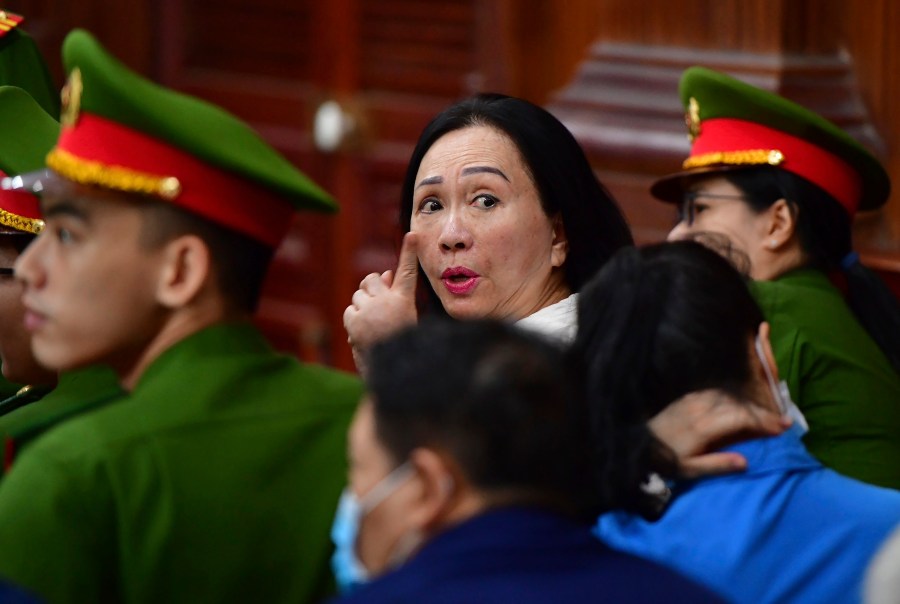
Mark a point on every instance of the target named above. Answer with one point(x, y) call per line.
point(688, 210)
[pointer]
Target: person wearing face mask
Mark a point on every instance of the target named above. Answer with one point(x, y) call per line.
point(470, 479)
point(671, 318)
point(783, 185)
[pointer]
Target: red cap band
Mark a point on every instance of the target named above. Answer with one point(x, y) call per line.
point(20, 210)
point(211, 192)
point(832, 174)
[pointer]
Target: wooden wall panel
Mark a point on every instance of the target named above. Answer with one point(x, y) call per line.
point(530, 48)
point(418, 48)
point(268, 38)
point(127, 28)
point(722, 25)
point(868, 32)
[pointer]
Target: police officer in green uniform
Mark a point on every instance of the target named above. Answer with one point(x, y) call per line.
point(29, 106)
point(29, 133)
point(781, 185)
point(22, 65)
point(216, 477)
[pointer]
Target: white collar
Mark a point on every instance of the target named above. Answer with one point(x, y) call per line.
point(559, 320)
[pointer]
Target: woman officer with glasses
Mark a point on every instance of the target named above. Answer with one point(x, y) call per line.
point(783, 184)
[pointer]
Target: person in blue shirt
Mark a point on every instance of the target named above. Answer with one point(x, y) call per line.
point(668, 319)
point(470, 479)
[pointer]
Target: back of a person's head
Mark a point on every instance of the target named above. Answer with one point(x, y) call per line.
point(500, 402)
point(655, 324)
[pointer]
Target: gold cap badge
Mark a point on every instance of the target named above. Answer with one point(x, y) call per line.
point(9, 21)
point(71, 99)
point(692, 119)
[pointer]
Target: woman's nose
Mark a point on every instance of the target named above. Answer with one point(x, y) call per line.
point(455, 234)
point(680, 231)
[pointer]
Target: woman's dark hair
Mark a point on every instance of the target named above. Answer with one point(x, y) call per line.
point(501, 402)
point(565, 182)
point(824, 229)
point(655, 324)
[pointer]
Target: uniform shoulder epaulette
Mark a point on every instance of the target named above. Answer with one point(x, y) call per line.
point(9, 21)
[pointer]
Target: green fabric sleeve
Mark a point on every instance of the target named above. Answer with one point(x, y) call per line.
point(50, 528)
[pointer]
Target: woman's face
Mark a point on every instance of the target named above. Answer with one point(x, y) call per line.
point(717, 206)
point(486, 245)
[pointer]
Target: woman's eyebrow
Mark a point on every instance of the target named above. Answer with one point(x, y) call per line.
point(489, 169)
point(431, 180)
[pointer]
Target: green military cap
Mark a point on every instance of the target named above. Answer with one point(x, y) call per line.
point(123, 132)
point(28, 134)
point(734, 125)
point(22, 65)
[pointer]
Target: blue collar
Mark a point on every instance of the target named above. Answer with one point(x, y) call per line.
point(516, 527)
point(776, 453)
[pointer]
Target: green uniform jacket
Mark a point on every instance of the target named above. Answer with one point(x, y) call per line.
point(216, 480)
point(843, 384)
point(77, 392)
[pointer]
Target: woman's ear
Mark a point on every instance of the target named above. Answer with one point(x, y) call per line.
point(440, 479)
point(560, 244)
point(782, 224)
point(186, 268)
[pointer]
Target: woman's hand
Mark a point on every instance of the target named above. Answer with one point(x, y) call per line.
point(705, 420)
point(384, 303)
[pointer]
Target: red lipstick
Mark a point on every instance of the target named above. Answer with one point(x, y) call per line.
point(459, 280)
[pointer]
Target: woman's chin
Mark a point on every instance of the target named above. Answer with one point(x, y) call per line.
point(465, 310)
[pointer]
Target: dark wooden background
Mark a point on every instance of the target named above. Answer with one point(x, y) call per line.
point(608, 68)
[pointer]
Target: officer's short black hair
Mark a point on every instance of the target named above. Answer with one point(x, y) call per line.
point(239, 262)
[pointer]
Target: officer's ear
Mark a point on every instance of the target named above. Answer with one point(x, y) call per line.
point(185, 271)
point(782, 224)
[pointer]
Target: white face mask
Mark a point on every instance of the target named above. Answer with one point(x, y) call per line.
point(780, 391)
